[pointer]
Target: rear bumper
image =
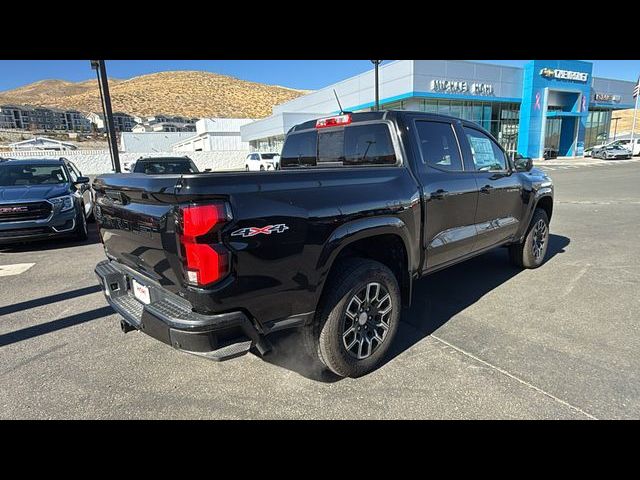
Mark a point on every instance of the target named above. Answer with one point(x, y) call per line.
point(170, 319)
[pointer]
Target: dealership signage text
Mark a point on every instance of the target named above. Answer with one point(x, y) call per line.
point(452, 86)
point(564, 74)
point(605, 97)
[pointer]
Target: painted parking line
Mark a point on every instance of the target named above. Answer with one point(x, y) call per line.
point(15, 269)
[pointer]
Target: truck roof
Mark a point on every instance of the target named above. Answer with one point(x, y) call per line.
point(382, 115)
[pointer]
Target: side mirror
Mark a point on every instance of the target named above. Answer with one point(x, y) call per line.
point(522, 164)
point(207, 169)
point(82, 180)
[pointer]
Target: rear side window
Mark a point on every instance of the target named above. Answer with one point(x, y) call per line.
point(439, 145)
point(300, 149)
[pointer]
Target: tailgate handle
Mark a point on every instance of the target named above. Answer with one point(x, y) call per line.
point(116, 196)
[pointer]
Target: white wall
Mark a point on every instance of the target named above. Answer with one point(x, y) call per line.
point(95, 162)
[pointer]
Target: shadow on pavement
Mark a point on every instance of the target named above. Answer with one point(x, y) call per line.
point(58, 297)
point(436, 299)
point(53, 243)
point(54, 325)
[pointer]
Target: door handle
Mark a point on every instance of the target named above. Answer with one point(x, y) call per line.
point(486, 189)
point(439, 194)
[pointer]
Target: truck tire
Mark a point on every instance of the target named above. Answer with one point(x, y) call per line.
point(357, 318)
point(531, 252)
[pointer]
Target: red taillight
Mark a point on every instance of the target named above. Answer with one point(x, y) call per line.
point(334, 121)
point(205, 262)
point(198, 220)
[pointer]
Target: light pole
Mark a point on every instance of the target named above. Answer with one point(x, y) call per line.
point(636, 94)
point(103, 85)
point(377, 64)
point(615, 127)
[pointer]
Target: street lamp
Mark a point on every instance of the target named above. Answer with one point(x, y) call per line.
point(377, 64)
point(103, 86)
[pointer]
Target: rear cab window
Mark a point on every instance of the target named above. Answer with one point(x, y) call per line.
point(354, 145)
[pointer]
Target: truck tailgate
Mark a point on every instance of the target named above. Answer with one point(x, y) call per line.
point(136, 218)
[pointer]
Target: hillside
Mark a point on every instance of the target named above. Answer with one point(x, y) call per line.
point(625, 122)
point(186, 93)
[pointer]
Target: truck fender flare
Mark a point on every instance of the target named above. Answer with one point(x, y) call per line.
point(357, 230)
point(362, 228)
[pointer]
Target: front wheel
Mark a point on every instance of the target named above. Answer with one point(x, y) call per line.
point(531, 252)
point(357, 318)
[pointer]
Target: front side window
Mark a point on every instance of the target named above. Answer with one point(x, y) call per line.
point(439, 145)
point(487, 155)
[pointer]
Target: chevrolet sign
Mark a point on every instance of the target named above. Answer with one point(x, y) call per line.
point(564, 74)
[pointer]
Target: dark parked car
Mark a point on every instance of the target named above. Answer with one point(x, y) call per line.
point(364, 205)
point(43, 198)
point(165, 166)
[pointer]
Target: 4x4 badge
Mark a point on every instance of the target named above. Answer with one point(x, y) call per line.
point(252, 231)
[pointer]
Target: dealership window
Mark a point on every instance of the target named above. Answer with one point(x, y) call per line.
point(500, 118)
point(392, 106)
point(597, 127)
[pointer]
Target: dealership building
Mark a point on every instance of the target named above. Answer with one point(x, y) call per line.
point(548, 104)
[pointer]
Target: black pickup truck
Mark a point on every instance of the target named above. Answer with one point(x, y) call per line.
point(364, 205)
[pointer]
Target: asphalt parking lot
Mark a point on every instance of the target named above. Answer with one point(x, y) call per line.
point(481, 340)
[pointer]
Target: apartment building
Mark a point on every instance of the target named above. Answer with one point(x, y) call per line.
point(25, 117)
point(122, 122)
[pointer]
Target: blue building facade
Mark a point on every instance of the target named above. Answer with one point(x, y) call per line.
point(548, 105)
point(554, 107)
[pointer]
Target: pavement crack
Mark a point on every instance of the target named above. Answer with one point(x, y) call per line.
point(514, 377)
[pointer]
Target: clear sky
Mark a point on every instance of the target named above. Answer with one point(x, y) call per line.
point(302, 74)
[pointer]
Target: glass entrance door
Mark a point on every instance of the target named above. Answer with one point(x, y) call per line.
point(552, 134)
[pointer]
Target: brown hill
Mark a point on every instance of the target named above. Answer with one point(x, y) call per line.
point(187, 93)
point(625, 122)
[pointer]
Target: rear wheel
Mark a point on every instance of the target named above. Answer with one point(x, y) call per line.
point(357, 318)
point(531, 252)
